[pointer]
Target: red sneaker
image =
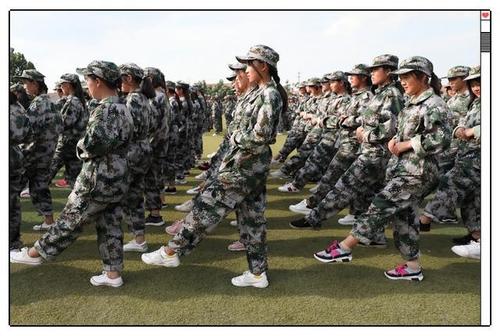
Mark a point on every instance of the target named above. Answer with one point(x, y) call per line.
point(62, 183)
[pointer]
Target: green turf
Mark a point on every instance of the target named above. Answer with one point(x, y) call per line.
point(301, 291)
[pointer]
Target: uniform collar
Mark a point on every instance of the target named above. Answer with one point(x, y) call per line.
point(421, 97)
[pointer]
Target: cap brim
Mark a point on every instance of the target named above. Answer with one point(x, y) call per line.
point(402, 71)
point(83, 71)
point(471, 77)
point(244, 59)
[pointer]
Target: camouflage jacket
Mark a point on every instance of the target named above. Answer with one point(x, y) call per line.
point(92, 104)
point(458, 105)
point(19, 132)
point(46, 125)
point(312, 107)
point(60, 103)
point(216, 108)
point(141, 112)
point(75, 118)
point(379, 119)
point(424, 121)
point(351, 120)
point(241, 104)
point(160, 121)
point(103, 150)
point(186, 116)
point(336, 109)
point(176, 119)
point(470, 150)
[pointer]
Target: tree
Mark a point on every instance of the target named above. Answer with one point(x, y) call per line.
point(220, 90)
point(17, 64)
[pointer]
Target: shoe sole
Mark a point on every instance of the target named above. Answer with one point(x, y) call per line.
point(154, 224)
point(192, 192)
point(25, 262)
point(97, 284)
point(346, 223)
point(302, 212)
point(40, 228)
point(412, 278)
point(236, 250)
point(340, 260)
point(170, 192)
point(146, 261)
point(465, 256)
point(250, 285)
point(183, 210)
point(300, 228)
point(136, 250)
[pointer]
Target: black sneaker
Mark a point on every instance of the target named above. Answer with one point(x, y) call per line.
point(463, 240)
point(170, 191)
point(154, 221)
point(164, 205)
point(373, 244)
point(300, 223)
point(425, 227)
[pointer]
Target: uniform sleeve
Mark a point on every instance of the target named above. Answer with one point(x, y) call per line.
point(434, 133)
point(341, 109)
point(20, 130)
point(381, 126)
point(100, 137)
point(262, 132)
point(69, 114)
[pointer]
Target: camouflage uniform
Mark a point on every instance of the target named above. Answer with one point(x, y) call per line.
point(297, 134)
point(229, 109)
point(159, 139)
point(363, 177)
point(139, 154)
point(217, 115)
point(102, 182)
point(324, 151)
point(458, 105)
point(461, 186)
point(92, 104)
point(424, 122)
point(171, 165)
point(75, 117)
point(183, 120)
point(47, 125)
point(19, 131)
point(241, 182)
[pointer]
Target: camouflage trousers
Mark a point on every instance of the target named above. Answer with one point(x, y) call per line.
point(38, 179)
point(397, 202)
point(153, 184)
point(15, 187)
point(209, 211)
point(294, 139)
point(317, 163)
point(133, 202)
point(198, 142)
point(218, 122)
point(337, 167)
point(80, 210)
point(182, 155)
point(65, 155)
point(216, 160)
point(460, 187)
point(168, 165)
point(360, 180)
point(293, 164)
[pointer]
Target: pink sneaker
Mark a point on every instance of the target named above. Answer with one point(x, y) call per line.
point(175, 227)
point(403, 272)
point(236, 246)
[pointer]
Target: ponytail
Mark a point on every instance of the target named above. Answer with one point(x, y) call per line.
point(435, 84)
point(347, 86)
point(146, 87)
point(77, 87)
point(284, 96)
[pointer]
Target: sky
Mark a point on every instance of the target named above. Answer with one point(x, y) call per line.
point(196, 45)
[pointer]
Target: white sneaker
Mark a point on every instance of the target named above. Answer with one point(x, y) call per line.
point(202, 176)
point(248, 279)
point(25, 193)
point(103, 280)
point(13, 251)
point(233, 223)
point(180, 181)
point(300, 207)
point(314, 189)
point(22, 257)
point(347, 220)
point(278, 174)
point(288, 188)
point(193, 191)
point(211, 155)
point(160, 258)
point(471, 250)
point(133, 246)
point(175, 227)
point(236, 246)
point(185, 207)
point(42, 227)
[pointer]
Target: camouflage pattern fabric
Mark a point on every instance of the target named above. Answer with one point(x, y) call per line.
point(297, 134)
point(217, 115)
point(99, 188)
point(47, 125)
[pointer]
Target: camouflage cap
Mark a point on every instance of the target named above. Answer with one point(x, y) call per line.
point(474, 73)
point(325, 79)
point(337, 75)
point(231, 77)
point(131, 69)
point(458, 71)
point(302, 85)
point(153, 72)
point(262, 53)
point(181, 84)
point(170, 85)
point(359, 69)
point(31, 74)
point(102, 69)
point(57, 85)
point(16, 87)
point(386, 59)
point(415, 63)
point(69, 78)
point(237, 66)
point(313, 82)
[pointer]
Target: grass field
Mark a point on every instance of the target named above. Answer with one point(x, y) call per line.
point(199, 291)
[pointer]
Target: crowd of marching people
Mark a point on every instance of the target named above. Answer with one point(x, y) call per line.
point(378, 139)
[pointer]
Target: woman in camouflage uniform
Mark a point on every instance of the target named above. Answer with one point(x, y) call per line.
point(138, 89)
point(101, 185)
point(423, 132)
point(75, 117)
point(461, 186)
point(241, 181)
